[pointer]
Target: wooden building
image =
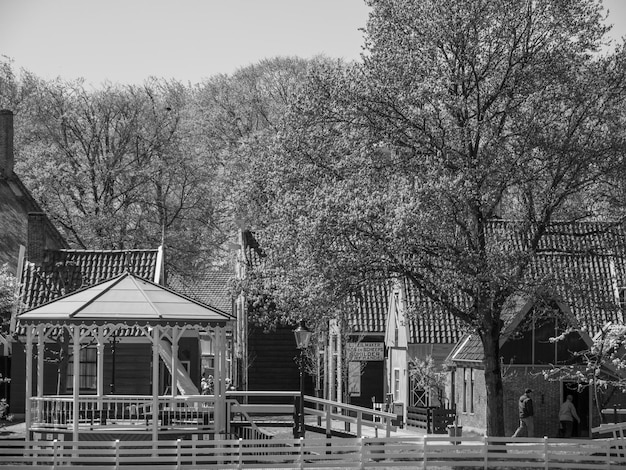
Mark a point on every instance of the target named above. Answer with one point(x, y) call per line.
point(24, 231)
point(583, 268)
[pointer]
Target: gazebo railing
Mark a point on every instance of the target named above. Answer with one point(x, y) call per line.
point(132, 411)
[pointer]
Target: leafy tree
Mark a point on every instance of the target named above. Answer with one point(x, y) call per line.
point(427, 376)
point(7, 297)
point(600, 367)
point(113, 168)
point(461, 114)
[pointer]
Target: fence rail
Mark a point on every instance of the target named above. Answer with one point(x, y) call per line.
point(364, 453)
point(434, 420)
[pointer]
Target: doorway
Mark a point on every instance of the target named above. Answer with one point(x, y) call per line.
point(581, 403)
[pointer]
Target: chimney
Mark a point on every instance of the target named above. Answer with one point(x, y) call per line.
point(36, 237)
point(6, 143)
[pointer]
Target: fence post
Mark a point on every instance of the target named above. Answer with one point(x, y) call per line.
point(608, 454)
point(117, 453)
point(54, 454)
point(486, 450)
point(361, 454)
point(178, 454)
point(425, 463)
point(546, 460)
point(301, 457)
point(240, 462)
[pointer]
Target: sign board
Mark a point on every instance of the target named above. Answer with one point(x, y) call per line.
point(366, 351)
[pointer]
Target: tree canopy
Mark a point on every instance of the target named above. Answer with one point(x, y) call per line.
point(461, 114)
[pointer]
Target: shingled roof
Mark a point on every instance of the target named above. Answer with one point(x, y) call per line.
point(430, 324)
point(371, 303)
point(211, 288)
point(65, 271)
point(583, 266)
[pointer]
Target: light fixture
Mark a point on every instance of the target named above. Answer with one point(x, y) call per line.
point(303, 336)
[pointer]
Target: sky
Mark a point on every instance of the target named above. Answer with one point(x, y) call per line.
point(127, 41)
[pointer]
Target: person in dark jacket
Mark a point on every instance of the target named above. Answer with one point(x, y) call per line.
point(526, 413)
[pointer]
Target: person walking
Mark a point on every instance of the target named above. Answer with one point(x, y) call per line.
point(567, 415)
point(526, 414)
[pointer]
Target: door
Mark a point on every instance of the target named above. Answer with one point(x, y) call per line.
point(581, 403)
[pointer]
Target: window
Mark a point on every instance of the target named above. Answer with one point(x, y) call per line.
point(88, 370)
point(465, 389)
point(471, 390)
point(396, 384)
point(468, 390)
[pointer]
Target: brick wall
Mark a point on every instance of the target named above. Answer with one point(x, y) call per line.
point(546, 401)
point(6, 143)
point(36, 237)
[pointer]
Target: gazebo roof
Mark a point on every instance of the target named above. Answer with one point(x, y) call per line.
point(127, 299)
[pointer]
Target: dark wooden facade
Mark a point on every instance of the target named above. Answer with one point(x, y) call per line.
point(273, 361)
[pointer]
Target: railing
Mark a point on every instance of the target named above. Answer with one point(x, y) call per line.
point(365, 453)
point(348, 418)
point(57, 412)
point(614, 415)
point(433, 420)
point(196, 412)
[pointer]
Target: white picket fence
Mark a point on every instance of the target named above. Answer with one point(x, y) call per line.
point(311, 452)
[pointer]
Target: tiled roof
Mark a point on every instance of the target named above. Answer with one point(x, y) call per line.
point(371, 303)
point(126, 298)
point(211, 288)
point(430, 323)
point(469, 349)
point(582, 265)
point(65, 271)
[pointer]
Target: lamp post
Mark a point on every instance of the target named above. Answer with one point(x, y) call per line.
point(302, 335)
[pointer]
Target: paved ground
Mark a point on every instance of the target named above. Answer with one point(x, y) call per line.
point(17, 430)
point(12, 430)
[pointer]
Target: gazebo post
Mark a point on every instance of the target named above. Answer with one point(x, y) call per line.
point(29, 379)
point(100, 366)
point(76, 381)
point(219, 382)
point(156, 337)
point(175, 334)
point(40, 357)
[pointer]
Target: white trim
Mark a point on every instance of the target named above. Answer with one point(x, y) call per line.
point(159, 265)
point(460, 348)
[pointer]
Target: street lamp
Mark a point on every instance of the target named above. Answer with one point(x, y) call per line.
point(302, 336)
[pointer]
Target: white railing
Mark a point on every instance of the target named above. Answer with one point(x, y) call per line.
point(57, 412)
point(365, 453)
point(348, 418)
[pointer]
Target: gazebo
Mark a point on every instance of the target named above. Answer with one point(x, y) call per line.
point(98, 313)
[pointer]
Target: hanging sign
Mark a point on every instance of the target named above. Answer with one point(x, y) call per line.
point(366, 351)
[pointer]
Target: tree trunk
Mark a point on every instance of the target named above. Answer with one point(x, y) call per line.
point(493, 383)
